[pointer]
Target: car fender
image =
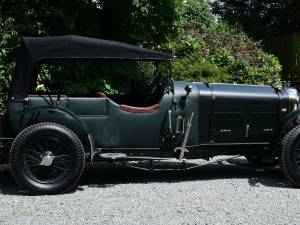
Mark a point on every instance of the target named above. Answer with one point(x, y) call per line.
point(25, 118)
point(287, 120)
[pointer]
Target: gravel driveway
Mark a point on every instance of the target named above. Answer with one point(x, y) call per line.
point(233, 192)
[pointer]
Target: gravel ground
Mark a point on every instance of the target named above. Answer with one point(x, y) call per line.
point(223, 193)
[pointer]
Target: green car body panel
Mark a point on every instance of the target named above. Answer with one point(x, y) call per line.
point(224, 115)
point(227, 118)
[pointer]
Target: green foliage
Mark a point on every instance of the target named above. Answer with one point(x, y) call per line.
point(7, 34)
point(207, 49)
point(195, 68)
point(5, 76)
point(87, 77)
point(222, 52)
point(143, 22)
point(146, 22)
point(261, 19)
point(196, 15)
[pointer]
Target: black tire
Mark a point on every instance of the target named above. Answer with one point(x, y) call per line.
point(290, 156)
point(37, 144)
point(285, 138)
point(258, 160)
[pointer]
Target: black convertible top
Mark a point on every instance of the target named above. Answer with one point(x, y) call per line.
point(35, 50)
point(71, 46)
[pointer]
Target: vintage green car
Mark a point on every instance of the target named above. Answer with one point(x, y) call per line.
point(48, 138)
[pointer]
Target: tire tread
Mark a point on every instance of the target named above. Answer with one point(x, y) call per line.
point(286, 163)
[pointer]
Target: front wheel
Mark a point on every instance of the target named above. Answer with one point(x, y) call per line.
point(290, 157)
point(47, 158)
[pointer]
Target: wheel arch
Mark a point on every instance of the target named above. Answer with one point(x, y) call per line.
point(21, 120)
point(287, 123)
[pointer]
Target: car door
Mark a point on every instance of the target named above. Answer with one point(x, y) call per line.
point(119, 126)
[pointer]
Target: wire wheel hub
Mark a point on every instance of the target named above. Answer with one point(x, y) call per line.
point(47, 159)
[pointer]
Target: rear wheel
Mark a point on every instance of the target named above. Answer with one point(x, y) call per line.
point(290, 157)
point(47, 158)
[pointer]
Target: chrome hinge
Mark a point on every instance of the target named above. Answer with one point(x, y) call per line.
point(247, 130)
point(268, 130)
point(225, 131)
point(170, 120)
point(180, 125)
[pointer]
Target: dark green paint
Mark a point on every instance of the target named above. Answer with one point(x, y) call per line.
point(222, 113)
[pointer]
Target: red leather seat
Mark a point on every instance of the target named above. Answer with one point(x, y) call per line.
point(100, 94)
point(133, 109)
point(46, 95)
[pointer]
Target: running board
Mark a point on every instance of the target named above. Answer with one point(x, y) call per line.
point(180, 164)
point(125, 157)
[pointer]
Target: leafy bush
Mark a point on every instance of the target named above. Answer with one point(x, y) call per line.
point(207, 49)
point(7, 34)
point(194, 67)
point(84, 77)
point(222, 52)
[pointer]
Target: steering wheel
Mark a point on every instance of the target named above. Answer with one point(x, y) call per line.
point(156, 83)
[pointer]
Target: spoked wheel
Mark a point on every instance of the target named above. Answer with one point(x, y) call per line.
point(47, 158)
point(290, 158)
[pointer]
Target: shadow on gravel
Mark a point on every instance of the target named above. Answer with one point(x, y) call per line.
point(232, 169)
point(7, 184)
point(109, 175)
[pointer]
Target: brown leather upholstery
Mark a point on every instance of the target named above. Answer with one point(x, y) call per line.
point(100, 94)
point(133, 109)
point(46, 95)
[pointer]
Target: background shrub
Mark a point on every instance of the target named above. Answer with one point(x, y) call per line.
point(207, 48)
point(210, 50)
